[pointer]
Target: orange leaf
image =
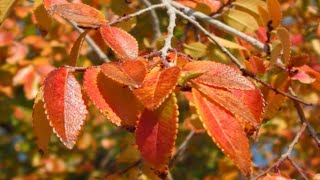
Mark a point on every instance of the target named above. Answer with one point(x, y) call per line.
point(40, 123)
point(64, 105)
point(230, 102)
point(156, 133)
point(75, 50)
point(129, 73)
point(84, 15)
point(274, 100)
point(157, 86)
point(120, 42)
point(225, 131)
point(48, 3)
point(255, 65)
point(284, 37)
point(115, 101)
point(218, 75)
point(275, 13)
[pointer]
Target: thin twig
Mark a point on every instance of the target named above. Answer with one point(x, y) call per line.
point(192, 13)
point(292, 97)
point(172, 24)
point(297, 167)
point(181, 148)
point(234, 59)
point(221, 10)
point(303, 119)
point(91, 43)
point(286, 154)
point(155, 23)
point(212, 38)
point(135, 164)
point(136, 14)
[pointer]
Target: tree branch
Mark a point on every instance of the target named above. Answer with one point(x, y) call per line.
point(286, 155)
point(172, 23)
point(219, 25)
point(155, 23)
point(234, 59)
point(150, 8)
point(91, 43)
point(181, 148)
point(303, 119)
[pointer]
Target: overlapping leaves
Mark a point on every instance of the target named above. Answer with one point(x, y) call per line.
point(141, 97)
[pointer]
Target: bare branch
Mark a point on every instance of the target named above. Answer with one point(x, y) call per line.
point(155, 23)
point(172, 23)
point(136, 13)
point(91, 43)
point(181, 148)
point(234, 59)
point(286, 155)
point(211, 37)
point(303, 119)
point(219, 25)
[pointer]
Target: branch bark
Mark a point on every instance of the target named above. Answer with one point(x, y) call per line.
point(286, 155)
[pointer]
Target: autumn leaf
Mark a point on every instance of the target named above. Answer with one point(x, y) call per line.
point(64, 105)
point(275, 13)
point(241, 21)
point(255, 65)
point(156, 133)
point(40, 123)
point(284, 37)
point(230, 102)
point(131, 73)
point(75, 50)
point(122, 43)
point(84, 15)
point(42, 17)
point(274, 100)
point(115, 101)
point(157, 86)
point(225, 131)
point(5, 8)
point(218, 75)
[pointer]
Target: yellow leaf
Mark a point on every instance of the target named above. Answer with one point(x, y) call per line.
point(241, 21)
point(251, 7)
point(196, 49)
point(5, 8)
point(228, 44)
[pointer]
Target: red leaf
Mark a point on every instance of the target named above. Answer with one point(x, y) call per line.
point(156, 133)
point(40, 123)
point(115, 101)
point(64, 105)
point(218, 75)
point(254, 102)
point(157, 86)
point(230, 102)
point(255, 65)
point(120, 42)
point(225, 131)
point(84, 15)
point(129, 73)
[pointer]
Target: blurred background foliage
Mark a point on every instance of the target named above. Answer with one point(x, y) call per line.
point(28, 52)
